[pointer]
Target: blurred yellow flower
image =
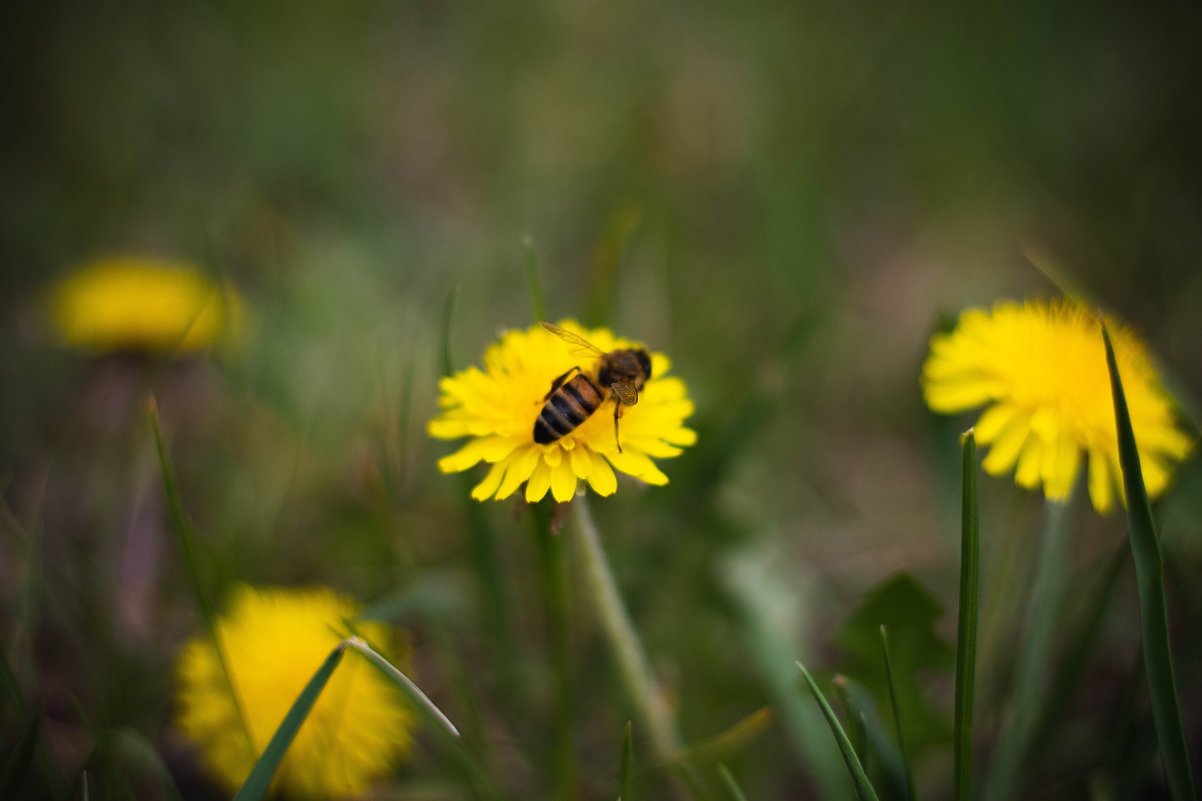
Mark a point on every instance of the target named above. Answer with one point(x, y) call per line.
point(497, 408)
point(142, 304)
point(273, 640)
point(1040, 369)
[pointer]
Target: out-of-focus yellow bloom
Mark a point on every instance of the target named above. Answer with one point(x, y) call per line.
point(1040, 369)
point(273, 640)
point(496, 408)
point(141, 304)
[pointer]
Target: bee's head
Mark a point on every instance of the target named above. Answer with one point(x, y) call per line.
point(644, 362)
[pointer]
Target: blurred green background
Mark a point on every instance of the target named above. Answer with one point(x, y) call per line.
point(788, 198)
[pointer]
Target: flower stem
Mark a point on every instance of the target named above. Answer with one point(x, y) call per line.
point(1031, 671)
point(636, 674)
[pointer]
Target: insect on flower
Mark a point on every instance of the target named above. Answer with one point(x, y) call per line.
point(621, 374)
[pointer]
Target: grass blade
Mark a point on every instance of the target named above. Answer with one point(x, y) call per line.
point(187, 540)
point(265, 769)
point(732, 787)
point(419, 698)
point(864, 790)
point(435, 716)
point(535, 286)
point(627, 761)
point(897, 722)
point(1153, 610)
point(966, 629)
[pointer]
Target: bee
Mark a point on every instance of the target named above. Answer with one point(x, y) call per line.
point(573, 399)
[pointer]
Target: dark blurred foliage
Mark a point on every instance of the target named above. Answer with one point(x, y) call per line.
point(787, 198)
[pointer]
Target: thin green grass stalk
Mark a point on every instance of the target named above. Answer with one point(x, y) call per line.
point(897, 721)
point(966, 627)
point(187, 540)
point(555, 602)
point(537, 304)
point(732, 786)
point(257, 783)
point(627, 763)
point(864, 789)
point(1153, 609)
point(881, 749)
point(1031, 673)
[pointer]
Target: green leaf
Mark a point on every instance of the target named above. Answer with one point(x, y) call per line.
point(897, 721)
point(1153, 610)
point(864, 790)
point(966, 631)
point(627, 761)
point(265, 768)
point(732, 787)
point(910, 613)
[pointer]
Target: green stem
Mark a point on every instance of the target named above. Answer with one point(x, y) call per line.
point(615, 620)
point(555, 601)
point(1031, 672)
point(966, 633)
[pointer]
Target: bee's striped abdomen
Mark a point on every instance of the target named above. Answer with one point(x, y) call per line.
point(568, 407)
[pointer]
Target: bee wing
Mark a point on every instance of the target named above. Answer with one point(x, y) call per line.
point(581, 346)
point(626, 392)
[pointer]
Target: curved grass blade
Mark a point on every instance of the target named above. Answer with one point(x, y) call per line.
point(966, 630)
point(880, 750)
point(265, 768)
point(627, 761)
point(897, 722)
point(430, 711)
point(864, 790)
point(419, 698)
point(1153, 610)
point(728, 781)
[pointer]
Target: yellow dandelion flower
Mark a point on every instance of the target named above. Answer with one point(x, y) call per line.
point(141, 304)
point(1040, 369)
point(273, 640)
point(497, 408)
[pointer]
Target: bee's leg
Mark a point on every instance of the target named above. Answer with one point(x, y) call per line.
point(559, 382)
point(617, 414)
